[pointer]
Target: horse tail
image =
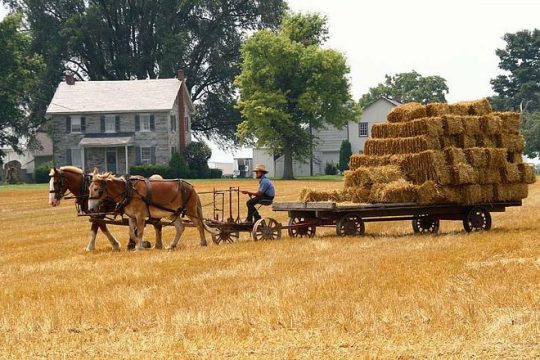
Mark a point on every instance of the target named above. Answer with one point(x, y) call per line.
point(201, 218)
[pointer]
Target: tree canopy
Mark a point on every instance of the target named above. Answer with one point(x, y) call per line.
point(119, 40)
point(20, 71)
point(408, 87)
point(289, 86)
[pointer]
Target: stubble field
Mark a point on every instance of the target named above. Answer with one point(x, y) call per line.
point(387, 294)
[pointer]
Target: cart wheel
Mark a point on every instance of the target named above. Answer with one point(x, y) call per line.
point(477, 219)
point(425, 224)
point(266, 229)
point(300, 231)
point(350, 225)
point(226, 236)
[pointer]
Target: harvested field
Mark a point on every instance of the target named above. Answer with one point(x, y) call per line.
point(389, 294)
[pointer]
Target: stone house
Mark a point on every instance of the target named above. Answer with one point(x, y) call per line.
point(113, 125)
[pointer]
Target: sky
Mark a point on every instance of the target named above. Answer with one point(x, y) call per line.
point(454, 39)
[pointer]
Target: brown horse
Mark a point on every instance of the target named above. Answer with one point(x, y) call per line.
point(72, 179)
point(140, 198)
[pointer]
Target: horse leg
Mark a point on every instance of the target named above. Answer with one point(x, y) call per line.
point(159, 231)
point(139, 222)
point(92, 237)
point(132, 235)
point(198, 223)
point(115, 244)
point(179, 225)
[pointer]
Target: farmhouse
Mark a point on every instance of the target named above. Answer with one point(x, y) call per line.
point(113, 125)
point(329, 143)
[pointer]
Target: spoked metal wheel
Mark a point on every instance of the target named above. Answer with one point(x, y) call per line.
point(350, 225)
point(296, 230)
point(477, 219)
point(266, 229)
point(226, 237)
point(425, 224)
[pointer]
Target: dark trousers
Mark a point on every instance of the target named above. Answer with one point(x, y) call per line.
point(253, 214)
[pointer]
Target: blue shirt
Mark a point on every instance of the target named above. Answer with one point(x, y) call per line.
point(266, 187)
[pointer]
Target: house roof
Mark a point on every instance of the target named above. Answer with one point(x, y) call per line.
point(115, 96)
point(393, 102)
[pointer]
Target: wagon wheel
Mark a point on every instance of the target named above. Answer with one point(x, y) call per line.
point(300, 231)
point(266, 229)
point(477, 219)
point(349, 225)
point(226, 236)
point(425, 224)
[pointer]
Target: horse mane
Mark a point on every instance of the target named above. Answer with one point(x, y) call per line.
point(72, 169)
point(106, 176)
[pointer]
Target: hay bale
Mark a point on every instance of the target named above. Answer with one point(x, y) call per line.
point(400, 191)
point(426, 166)
point(489, 176)
point(510, 122)
point(364, 176)
point(512, 143)
point(453, 125)
point(463, 174)
point(359, 196)
point(528, 173)
point(510, 173)
point(454, 156)
point(308, 195)
point(515, 157)
point(437, 109)
point(476, 194)
point(471, 125)
point(425, 126)
point(449, 141)
point(490, 124)
point(466, 141)
point(486, 141)
point(510, 192)
point(478, 107)
point(430, 193)
point(476, 157)
point(496, 157)
point(360, 160)
point(408, 145)
point(407, 112)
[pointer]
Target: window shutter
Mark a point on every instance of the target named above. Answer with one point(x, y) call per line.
point(83, 124)
point(102, 123)
point(137, 155)
point(68, 156)
point(117, 123)
point(153, 158)
point(137, 125)
point(152, 123)
point(68, 124)
point(171, 121)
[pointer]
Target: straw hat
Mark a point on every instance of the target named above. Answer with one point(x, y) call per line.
point(260, 167)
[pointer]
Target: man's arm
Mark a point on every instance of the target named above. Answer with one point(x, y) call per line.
point(258, 193)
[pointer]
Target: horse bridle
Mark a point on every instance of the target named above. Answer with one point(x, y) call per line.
point(58, 186)
point(126, 195)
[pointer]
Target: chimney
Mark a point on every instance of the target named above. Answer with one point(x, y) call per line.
point(180, 74)
point(70, 79)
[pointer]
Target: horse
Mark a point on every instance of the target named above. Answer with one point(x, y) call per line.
point(72, 179)
point(140, 198)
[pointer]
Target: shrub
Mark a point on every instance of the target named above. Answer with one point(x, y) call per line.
point(41, 173)
point(216, 173)
point(197, 155)
point(149, 170)
point(345, 153)
point(179, 167)
point(330, 169)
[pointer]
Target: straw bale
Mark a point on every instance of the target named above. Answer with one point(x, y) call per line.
point(449, 141)
point(510, 192)
point(510, 173)
point(359, 160)
point(466, 141)
point(424, 126)
point(486, 141)
point(454, 156)
point(309, 195)
point(471, 125)
point(407, 112)
point(476, 194)
point(406, 145)
point(430, 193)
point(512, 143)
point(496, 158)
point(476, 157)
point(528, 173)
point(489, 176)
point(510, 122)
point(400, 191)
point(478, 107)
point(372, 175)
point(437, 109)
point(359, 195)
point(490, 124)
point(426, 166)
point(515, 157)
point(463, 174)
point(453, 125)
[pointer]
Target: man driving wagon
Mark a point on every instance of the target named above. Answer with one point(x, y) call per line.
point(263, 196)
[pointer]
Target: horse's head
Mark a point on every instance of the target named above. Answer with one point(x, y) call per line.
point(57, 186)
point(98, 190)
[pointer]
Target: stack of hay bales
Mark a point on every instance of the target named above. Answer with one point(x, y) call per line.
point(461, 153)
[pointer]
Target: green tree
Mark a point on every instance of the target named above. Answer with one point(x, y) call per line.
point(408, 87)
point(20, 71)
point(519, 87)
point(345, 153)
point(119, 40)
point(197, 155)
point(531, 132)
point(179, 167)
point(290, 86)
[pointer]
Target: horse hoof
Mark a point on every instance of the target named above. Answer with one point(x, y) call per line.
point(204, 244)
point(88, 249)
point(147, 244)
point(171, 248)
point(158, 247)
point(116, 249)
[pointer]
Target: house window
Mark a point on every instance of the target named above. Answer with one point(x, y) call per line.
point(363, 129)
point(75, 124)
point(145, 122)
point(76, 158)
point(186, 123)
point(173, 123)
point(110, 123)
point(173, 150)
point(146, 155)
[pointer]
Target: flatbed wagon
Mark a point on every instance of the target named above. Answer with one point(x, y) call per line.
point(350, 219)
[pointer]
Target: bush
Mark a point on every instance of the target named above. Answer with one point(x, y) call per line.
point(345, 153)
point(149, 170)
point(197, 155)
point(216, 173)
point(330, 169)
point(179, 167)
point(41, 173)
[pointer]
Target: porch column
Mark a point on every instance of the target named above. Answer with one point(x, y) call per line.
point(127, 165)
point(82, 159)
